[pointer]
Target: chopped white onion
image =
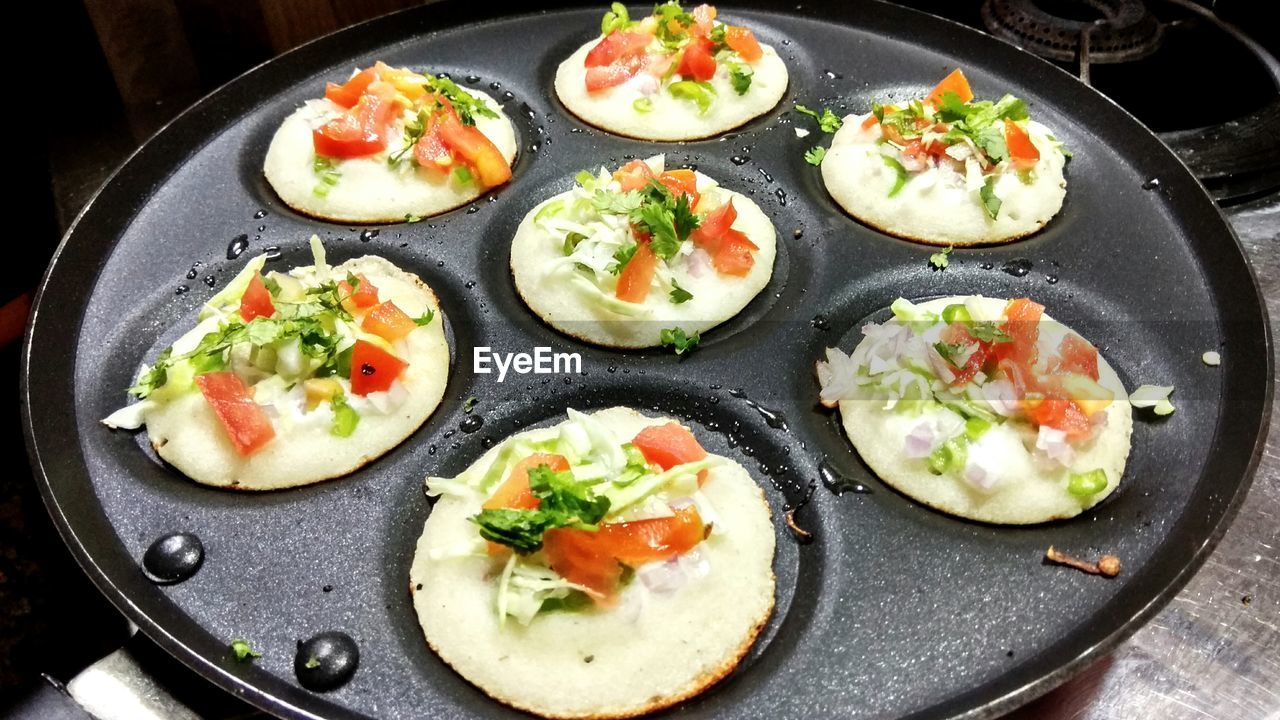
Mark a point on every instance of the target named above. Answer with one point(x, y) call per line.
point(1053, 443)
point(699, 263)
point(921, 441)
point(662, 578)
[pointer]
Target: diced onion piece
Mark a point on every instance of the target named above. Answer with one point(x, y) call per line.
point(1155, 397)
point(1211, 358)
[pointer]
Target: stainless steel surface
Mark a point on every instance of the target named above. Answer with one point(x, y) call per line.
point(1214, 652)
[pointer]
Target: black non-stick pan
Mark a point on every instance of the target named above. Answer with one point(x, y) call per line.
point(892, 609)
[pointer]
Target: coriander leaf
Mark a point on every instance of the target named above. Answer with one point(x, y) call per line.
point(673, 24)
point(991, 141)
point(679, 294)
point(469, 403)
point(563, 502)
point(677, 340)
point(901, 172)
point(622, 257)
point(312, 663)
point(243, 652)
point(615, 203)
point(952, 108)
point(740, 77)
point(411, 218)
point(155, 377)
point(667, 219)
point(467, 106)
point(425, 318)
point(988, 332)
point(940, 260)
point(989, 199)
point(814, 155)
point(413, 130)
point(828, 121)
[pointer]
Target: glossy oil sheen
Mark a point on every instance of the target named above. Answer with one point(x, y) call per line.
point(892, 609)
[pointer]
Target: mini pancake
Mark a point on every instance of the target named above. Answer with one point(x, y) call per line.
point(368, 189)
point(1032, 488)
point(542, 279)
point(945, 199)
point(187, 434)
point(668, 118)
point(647, 652)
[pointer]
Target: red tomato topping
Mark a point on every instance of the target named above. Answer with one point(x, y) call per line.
point(594, 559)
point(1058, 411)
point(869, 122)
point(743, 42)
point(634, 175)
point(1022, 324)
point(348, 93)
point(361, 130)
point(467, 143)
point(430, 151)
point(256, 301)
point(618, 45)
point(388, 321)
point(514, 492)
point(607, 76)
point(637, 274)
point(1076, 355)
point(957, 83)
point(682, 182)
point(697, 62)
point(365, 295)
point(730, 249)
point(373, 369)
point(246, 423)
point(668, 445)
point(1021, 150)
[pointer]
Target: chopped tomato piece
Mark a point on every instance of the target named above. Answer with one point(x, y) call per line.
point(430, 151)
point(714, 226)
point(697, 61)
point(373, 369)
point(733, 257)
point(1022, 325)
point(388, 321)
point(1059, 413)
point(365, 295)
point(618, 45)
point(682, 182)
point(957, 83)
point(514, 492)
point(870, 122)
point(245, 421)
point(668, 445)
point(1022, 151)
point(743, 42)
point(256, 301)
point(1076, 355)
point(467, 143)
point(594, 559)
point(361, 130)
point(637, 275)
point(634, 175)
point(958, 333)
point(703, 18)
point(607, 76)
point(348, 93)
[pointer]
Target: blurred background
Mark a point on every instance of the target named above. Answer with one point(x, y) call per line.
point(129, 66)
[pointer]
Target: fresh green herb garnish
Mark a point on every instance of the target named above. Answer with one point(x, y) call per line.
point(828, 121)
point(740, 76)
point(425, 318)
point(988, 332)
point(622, 257)
point(413, 130)
point(673, 24)
point(677, 340)
point(668, 219)
point(563, 502)
point(814, 155)
point(616, 203)
point(679, 294)
point(242, 651)
point(467, 106)
point(411, 218)
point(988, 195)
point(940, 260)
point(469, 403)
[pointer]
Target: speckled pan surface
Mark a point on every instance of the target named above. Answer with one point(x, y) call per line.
point(893, 609)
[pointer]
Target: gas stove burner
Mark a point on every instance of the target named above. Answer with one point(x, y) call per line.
point(1094, 31)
